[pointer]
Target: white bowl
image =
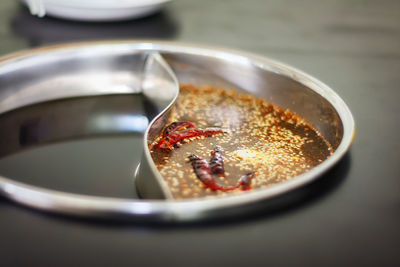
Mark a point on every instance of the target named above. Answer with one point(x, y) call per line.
point(95, 10)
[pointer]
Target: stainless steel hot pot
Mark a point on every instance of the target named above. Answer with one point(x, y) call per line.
point(116, 67)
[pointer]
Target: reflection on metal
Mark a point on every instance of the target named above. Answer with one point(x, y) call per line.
point(278, 83)
point(159, 83)
point(122, 123)
point(72, 85)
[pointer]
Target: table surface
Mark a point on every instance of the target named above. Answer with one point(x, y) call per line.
point(349, 217)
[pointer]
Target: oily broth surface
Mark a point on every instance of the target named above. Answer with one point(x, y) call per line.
point(275, 144)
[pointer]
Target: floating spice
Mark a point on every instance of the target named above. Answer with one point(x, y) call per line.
point(177, 132)
point(177, 126)
point(204, 173)
point(217, 162)
point(245, 181)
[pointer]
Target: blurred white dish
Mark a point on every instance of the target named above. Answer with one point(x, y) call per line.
point(95, 10)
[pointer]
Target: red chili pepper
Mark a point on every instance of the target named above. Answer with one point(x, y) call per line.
point(203, 172)
point(245, 181)
point(173, 138)
point(217, 162)
point(177, 126)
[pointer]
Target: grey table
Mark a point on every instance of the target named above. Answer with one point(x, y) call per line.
point(349, 217)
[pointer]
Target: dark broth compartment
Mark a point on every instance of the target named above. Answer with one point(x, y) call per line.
point(260, 139)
